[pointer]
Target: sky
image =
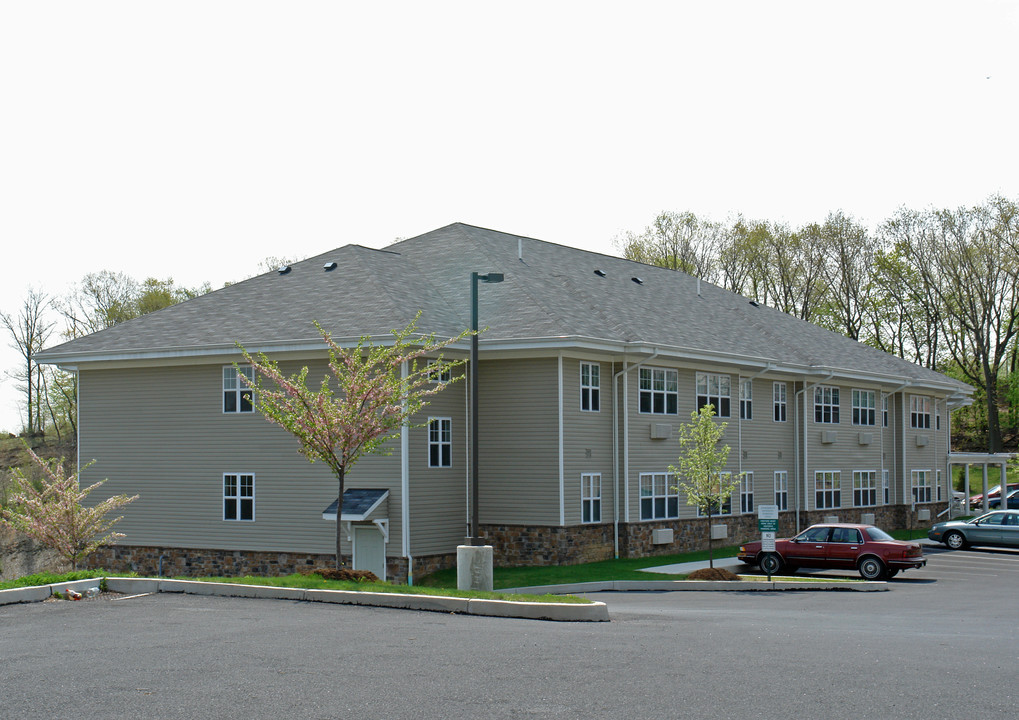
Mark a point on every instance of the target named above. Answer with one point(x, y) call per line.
point(193, 140)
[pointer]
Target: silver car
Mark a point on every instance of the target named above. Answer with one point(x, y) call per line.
point(1000, 528)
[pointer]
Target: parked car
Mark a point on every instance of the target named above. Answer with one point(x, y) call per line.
point(999, 528)
point(841, 546)
point(994, 492)
point(1011, 501)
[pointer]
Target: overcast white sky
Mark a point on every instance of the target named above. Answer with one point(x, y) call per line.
point(194, 139)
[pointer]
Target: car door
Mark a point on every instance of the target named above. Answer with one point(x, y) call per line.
point(809, 548)
point(986, 530)
point(844, 547)
point(1010, 530)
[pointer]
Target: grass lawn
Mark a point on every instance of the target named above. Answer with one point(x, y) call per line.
point(622, 569)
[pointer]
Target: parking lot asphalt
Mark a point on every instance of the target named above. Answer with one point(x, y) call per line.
point(939, 644)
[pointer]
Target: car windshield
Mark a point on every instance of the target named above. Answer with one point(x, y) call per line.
point(878, 535)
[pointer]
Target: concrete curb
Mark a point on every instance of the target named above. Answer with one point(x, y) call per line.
point(699, 585)
point(563, 612)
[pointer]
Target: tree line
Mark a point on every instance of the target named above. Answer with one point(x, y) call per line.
point(938, 287)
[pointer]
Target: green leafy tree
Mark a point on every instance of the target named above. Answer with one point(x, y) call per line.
point(701, 467)
point(369, 394)
point(51, 511)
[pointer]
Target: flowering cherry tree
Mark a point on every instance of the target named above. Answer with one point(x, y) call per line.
point(52, 511)
point(370, 392)
point(701, 466)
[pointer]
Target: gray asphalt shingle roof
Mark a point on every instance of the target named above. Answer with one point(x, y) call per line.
point(550, 292)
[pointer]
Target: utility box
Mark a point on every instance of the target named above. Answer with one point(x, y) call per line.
point(922, 440)
point(828, 437)
point(831, 518)
point(865, 438)
point(867, 518)
point(719, 532)
point(923, 514)
point(661, 536)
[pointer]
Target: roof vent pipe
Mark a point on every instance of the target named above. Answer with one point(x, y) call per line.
point(520, 249)
point(698, 287)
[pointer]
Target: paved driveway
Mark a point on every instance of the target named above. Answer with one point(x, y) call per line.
point(940, 644)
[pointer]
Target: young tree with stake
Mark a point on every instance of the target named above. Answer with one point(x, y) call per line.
point(701, 464)
point(369, 394)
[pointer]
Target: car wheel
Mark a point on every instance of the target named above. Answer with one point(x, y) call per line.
point(955, 540)
point(771, 563)
point(871, 568)
point(891, 573)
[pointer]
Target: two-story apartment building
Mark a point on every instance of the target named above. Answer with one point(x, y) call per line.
point(589, 365)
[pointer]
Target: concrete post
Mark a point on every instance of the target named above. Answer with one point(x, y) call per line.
point(474, 567)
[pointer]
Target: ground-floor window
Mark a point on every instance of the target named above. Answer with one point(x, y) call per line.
point(864, 488)
point(238, 497)
point(938, 484)
point(726, 506)
point(590, 497)
point(827, 489)
point(782, 489)
point(920, 480)
point(886, 492)
point(746, 493)
point(659, 496)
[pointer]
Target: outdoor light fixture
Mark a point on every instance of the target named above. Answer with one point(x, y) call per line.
point(489, 278)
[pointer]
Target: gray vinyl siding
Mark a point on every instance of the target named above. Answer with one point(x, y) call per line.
point(438, 496)
point(587, 443)
point(931, 456)
point(518, 439)
point(161, 433)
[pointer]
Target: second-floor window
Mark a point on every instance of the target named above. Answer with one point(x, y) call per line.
point(440, 442)
point(659, 391)
point(779, 392)
point(919, 412)
point(590, 387)
point(439, 373)
point(884, 411)
point(746, 400)
point(826, 404)
point(714, 389)
point(864, 407)
point(238, 394)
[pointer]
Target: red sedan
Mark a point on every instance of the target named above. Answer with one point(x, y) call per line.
point(871, 551)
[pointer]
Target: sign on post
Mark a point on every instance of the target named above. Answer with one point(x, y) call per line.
point(767, 518)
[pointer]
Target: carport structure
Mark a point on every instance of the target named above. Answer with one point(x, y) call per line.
point(969, 459)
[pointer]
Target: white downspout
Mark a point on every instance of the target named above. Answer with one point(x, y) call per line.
point(405, 487)
point(562, 477)
point(626, 447)
point(804, 390)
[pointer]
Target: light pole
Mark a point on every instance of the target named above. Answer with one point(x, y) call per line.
point(489, 278)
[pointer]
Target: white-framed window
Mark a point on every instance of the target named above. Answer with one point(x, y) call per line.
point(864, 488)
point(238, 391)
point(827, 489)
point(886, 490)
point(746, 400)
point(726, 507)
point(779, 394)
point(590, 497)
point(863, 407)
point(440, 442)
point(782, 489)
point(714, 389)
point(238, 496)
point(659, 496)
point(441, 375)
point(937, 484)
point(920, 481)
point(590, 387)
point(937, 421)
point(919, 412)
point(659, 391)
point(746, 493)
point(884, 411)
point(826, 404)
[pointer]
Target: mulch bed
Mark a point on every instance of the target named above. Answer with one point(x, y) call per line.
point(712, 574)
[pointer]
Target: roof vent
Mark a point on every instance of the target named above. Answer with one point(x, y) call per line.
point(754, 303)
point(329, 266)
point(284, 270)
point(637, 280)
point(599, 273)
